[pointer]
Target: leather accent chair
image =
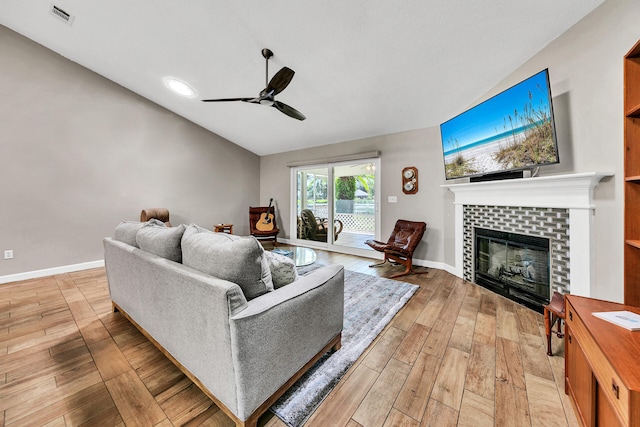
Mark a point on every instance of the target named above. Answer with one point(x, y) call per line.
point(161, 214)
point(255, 214)
point(317, 229)
point(404, 240)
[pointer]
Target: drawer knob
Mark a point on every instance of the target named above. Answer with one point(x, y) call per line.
point(615, 389)
point(570, 315)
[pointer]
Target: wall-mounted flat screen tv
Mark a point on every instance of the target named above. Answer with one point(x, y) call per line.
point(513, 130)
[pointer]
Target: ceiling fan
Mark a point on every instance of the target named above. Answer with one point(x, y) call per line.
point(273, 87)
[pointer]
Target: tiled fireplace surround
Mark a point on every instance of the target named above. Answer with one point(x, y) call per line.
point(558, 207)
point(550, 223)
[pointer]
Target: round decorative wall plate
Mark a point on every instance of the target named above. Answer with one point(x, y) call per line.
point(410, 180)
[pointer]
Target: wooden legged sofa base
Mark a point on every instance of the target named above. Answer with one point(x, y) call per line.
point(252, 421)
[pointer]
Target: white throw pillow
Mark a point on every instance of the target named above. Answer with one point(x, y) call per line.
point(283, 269)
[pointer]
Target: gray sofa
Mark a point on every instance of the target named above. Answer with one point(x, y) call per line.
point(242, 344)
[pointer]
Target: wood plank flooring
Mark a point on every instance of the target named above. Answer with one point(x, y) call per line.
point(455, 355)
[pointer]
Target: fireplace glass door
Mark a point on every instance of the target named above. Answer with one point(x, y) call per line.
point(514, 265)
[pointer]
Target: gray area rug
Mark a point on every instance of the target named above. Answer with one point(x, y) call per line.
point(370, 302)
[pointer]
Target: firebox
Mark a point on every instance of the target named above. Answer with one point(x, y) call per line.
point(513, 265)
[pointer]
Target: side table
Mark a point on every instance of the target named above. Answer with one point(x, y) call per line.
point(223, 228)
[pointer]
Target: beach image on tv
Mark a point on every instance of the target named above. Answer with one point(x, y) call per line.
point(512, 130)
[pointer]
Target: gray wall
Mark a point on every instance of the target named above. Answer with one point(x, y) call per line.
point(585, 66)
point(79, 154)
point(418, 148)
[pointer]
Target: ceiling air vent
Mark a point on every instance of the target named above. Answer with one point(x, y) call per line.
point(61, 14)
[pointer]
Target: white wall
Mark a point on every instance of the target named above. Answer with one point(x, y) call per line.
point(79, 154)
point(585, 67)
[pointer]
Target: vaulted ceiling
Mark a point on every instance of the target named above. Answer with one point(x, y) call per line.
point(362, 68)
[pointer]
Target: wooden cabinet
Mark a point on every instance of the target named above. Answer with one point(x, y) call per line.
point(632, 176)
point(580, 382)
point(602, 360)
point(602, 364)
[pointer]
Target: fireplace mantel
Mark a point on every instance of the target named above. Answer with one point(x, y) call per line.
point(573, 192)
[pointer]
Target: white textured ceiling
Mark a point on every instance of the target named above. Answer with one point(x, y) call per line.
point(363, 68)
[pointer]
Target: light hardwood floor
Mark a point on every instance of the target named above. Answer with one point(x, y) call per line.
point(455, 355)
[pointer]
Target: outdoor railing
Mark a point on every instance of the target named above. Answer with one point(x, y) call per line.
point(361, 221)
point(357, 222)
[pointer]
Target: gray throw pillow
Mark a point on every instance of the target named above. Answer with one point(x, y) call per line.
point(162, 241)
point(126, 231)
point(237, 259)
point(283, 269)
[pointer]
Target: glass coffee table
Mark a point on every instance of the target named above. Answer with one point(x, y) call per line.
point(301, 256)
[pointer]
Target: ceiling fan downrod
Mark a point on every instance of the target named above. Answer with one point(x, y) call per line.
point(267, 54)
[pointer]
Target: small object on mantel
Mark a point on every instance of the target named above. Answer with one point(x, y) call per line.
point(223, 228)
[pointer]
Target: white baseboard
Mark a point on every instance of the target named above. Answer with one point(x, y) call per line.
point(100, 263)
point(50, 271)
point(436, 265)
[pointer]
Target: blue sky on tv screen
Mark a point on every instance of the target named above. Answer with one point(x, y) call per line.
point(488, 118)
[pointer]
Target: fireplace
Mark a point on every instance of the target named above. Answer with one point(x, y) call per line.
point(513, 265)
point(559, 196)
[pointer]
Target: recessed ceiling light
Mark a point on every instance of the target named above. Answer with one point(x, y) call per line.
point(180, 87)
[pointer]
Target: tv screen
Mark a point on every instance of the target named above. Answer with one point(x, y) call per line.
point(512, 130)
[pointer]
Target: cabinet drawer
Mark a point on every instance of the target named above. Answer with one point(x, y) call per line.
point(610, 384)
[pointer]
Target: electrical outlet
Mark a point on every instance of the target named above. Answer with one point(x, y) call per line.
point(8, 254)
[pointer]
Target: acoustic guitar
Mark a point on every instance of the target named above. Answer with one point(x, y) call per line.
point(266, 221)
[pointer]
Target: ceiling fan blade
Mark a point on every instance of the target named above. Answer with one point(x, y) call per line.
point(279, 81)
point(289, 111)
point(227, 99)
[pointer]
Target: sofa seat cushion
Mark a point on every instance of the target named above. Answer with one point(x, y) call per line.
point(161, 240)
point(240, 260)
point(283, 269)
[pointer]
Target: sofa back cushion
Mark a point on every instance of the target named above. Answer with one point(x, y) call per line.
point(240, 260)
point(161, 240)
point(126, 231)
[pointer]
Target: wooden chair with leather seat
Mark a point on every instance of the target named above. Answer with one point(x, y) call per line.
point(257, 226)
point(554, 312)
point(161, 214)
point(404, 240)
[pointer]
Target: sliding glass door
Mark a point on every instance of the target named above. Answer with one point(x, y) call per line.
point(354, 203)
point(336, 205)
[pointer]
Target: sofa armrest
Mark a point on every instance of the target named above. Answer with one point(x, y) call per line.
point(279, 332)
point(185, 311)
